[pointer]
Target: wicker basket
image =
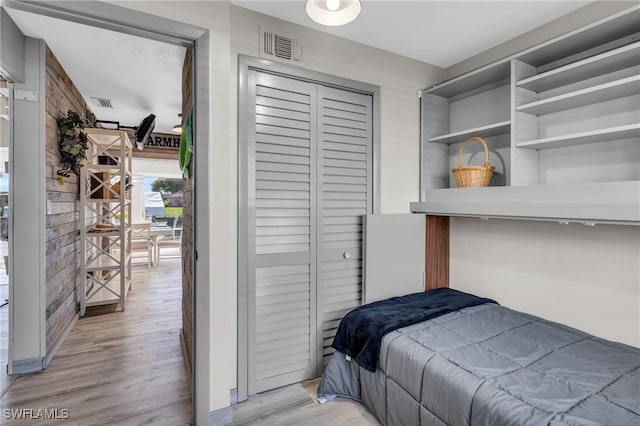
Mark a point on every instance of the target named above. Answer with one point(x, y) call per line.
point(470, 176)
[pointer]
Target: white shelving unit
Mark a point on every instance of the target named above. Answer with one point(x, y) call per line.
point(591, 95)
point(104, 201)
point(628, 131)
point(593, 66)
point(562, 121)
point(489, 130)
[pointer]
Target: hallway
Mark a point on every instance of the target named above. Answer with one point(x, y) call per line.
point(123, 368)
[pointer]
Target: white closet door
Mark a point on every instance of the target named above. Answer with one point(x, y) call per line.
point(345, 157)
point(309, 184)
point(282, 291)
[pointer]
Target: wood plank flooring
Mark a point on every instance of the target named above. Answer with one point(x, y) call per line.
point(121, 368)
point(296, 405)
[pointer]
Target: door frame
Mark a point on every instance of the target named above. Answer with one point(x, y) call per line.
point(246, 64)
point(135, 23)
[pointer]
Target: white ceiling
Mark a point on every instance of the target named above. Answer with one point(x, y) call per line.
point(440, 33)
point(142, 76)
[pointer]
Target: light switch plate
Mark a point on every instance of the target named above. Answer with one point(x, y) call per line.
point(25, 95)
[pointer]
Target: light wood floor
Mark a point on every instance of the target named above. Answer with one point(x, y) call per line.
point(122, 368)
point(296, 405)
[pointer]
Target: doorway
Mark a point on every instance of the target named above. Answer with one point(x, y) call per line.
point(5, 231)
point(308, 145)
point(143, 25)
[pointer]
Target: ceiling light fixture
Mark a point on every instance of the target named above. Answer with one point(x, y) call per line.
point(333, 12)
point(178, 127)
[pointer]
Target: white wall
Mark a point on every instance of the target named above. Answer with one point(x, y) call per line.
point(588, 278)
point(585, 277)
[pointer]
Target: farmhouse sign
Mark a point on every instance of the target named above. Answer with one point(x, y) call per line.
point(163, 141)
point(159, 145)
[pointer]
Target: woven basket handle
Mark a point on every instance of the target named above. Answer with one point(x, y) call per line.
point(486, 150)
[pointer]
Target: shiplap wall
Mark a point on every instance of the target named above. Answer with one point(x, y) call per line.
point(62, 226)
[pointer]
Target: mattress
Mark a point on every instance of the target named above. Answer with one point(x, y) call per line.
point(490, 365)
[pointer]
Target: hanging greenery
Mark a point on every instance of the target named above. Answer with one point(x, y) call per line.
point(72, 144)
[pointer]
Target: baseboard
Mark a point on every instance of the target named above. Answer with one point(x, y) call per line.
point(224, 416)
point(25, 366)
point(61, 338)
point(221, 417)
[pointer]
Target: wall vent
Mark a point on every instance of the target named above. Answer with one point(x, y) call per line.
point(102, 102)
point(280, 46)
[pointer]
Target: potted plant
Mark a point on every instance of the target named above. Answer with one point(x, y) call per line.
point(72, 144)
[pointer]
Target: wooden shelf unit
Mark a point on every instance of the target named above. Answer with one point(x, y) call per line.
point(561, 119)
point(106, 263)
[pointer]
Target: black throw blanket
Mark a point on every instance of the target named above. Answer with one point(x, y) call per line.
point(361, 331)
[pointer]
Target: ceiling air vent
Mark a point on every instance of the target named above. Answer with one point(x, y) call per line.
point(102, 102)
point(279, 46)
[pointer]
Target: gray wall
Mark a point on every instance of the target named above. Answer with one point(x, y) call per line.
point(11, 49)
point(28, 268)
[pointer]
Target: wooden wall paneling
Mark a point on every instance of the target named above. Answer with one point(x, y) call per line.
point(437, 252)
point(62, 225)
point(187, 228)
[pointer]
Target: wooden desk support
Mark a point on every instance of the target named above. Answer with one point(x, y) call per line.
point(437, 252)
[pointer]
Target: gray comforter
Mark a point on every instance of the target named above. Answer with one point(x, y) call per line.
point(489, 365)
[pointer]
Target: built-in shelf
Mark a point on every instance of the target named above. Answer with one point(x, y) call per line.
point(590, 77)
point(593, 136)
point(602, 202)
point(604, 63)
point(486, 76)
point(489, 130)
point(603, 92)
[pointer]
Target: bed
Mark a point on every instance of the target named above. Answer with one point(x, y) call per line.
point(478, 363)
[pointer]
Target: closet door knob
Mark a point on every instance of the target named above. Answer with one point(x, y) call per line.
point(346, 255)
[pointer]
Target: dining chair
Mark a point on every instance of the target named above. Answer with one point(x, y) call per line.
point(173, 240)
point(141, 240)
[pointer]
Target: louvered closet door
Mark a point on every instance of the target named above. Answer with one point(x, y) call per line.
point(345, 194)
point(282, 285)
